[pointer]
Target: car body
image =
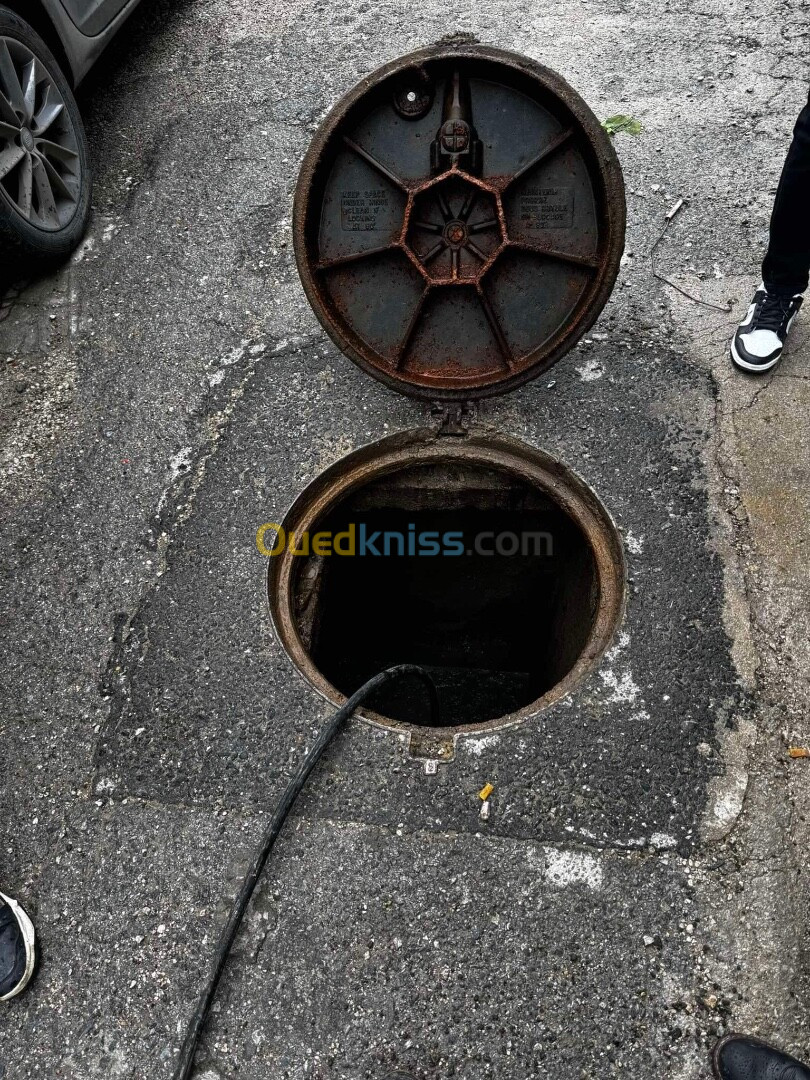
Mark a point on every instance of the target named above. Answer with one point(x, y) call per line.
point(76, 31)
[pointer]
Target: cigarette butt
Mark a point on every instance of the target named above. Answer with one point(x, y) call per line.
point(673, 210)
point(799, 751)
point(485, 810)
point(485, 792)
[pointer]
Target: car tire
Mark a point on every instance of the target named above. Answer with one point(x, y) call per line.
point(45, 181)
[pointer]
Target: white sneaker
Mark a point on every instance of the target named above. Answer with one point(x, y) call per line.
point(760, 338)
point(18, 950)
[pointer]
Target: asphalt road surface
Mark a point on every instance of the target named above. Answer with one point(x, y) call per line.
point(641, 884)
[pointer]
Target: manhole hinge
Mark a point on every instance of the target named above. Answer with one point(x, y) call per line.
point(451, 417)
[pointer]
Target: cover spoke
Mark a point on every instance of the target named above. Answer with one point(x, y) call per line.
point(496, 327)
point(355, 256)
point(405, 344)
point(587, 262)
point(551, 148)
point(434, 251)
point(444, 205)
point(428, 226)
point(482, 226)
point(469, 203)
point(374, 163)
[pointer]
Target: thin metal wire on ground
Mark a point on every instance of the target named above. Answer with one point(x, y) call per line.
point(726, 309)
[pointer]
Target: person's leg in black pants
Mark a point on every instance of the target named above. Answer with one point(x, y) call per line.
point(786, 268)
point(760, 338)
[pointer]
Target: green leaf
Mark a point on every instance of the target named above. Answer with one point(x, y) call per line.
point(627, 125)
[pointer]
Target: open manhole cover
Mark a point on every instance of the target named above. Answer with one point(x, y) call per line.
point(482, 559)
point(459, 221)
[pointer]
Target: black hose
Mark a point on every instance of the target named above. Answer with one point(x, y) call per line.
point(197, 1022)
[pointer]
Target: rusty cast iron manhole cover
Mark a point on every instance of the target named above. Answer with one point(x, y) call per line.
point(459, 221)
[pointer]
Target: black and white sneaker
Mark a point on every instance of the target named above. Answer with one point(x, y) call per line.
point(17, 948)
point(761, 336)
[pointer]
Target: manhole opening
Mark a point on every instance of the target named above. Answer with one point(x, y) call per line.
point(502, 616)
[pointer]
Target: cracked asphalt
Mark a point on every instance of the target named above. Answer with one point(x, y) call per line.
point(641, 885)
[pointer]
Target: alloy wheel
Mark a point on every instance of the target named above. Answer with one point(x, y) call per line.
point(40, 171)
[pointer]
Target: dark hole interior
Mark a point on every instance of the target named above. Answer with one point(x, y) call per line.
point(495, 631)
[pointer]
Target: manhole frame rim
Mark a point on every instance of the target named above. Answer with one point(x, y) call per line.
point(489, 449)
point(615, 217)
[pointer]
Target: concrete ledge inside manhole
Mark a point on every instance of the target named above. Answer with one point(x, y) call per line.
point(504, 630)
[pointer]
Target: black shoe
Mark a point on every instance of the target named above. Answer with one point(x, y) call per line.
point(17, 948)
point(742, 1057)
point(761, 336)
